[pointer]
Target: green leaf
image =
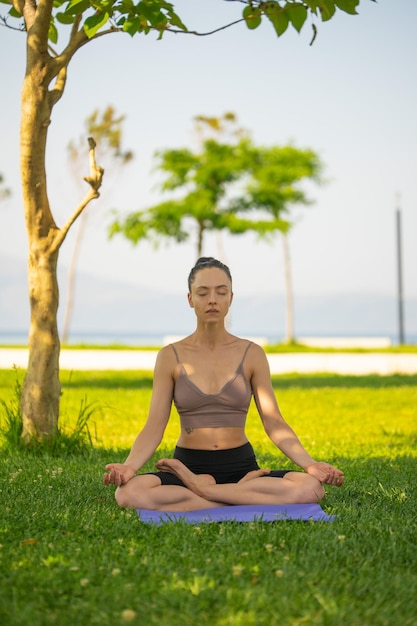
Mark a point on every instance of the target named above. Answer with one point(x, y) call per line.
point(93, 24)
point(253, 17)
point(14, 13)
point(65, 18)
point(151, 12)
point(297, 15)
point(76, 7)
point(313, 5)
point(175, 20)
point(126, 6)
point(278, 16)
point(135, 25)
point(53, 33)
point(348, 6)
point(327, 9)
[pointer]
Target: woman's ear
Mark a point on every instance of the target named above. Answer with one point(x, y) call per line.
point(190, 300)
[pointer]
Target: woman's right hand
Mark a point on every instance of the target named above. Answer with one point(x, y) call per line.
point(118, 474)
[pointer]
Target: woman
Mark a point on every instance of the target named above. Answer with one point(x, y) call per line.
point(211, 376)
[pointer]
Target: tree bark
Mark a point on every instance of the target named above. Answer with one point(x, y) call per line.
point(200, 236)
point(41, 388)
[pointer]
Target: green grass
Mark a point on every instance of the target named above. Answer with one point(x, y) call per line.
point(271, 348)
point(70, 556)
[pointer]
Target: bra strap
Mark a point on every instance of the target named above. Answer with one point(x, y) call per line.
point(246, 351)
point(241, 363)
point(175, 352)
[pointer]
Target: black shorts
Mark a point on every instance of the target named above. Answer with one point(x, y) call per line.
point(227, 466)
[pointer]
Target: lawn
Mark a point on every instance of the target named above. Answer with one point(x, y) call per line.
point(70, 556)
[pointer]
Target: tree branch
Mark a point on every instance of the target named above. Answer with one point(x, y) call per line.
point(77, 39)
point(55, 94)
point(27, 8)
point(5, 23)
point(116, 29)
point(197, 34)
point(19, 5)
point(94, 180)
point(38, 19)
point(96, 172)
point(60, 62)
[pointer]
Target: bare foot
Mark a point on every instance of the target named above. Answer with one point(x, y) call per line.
point(255, 474)
point(194, 482)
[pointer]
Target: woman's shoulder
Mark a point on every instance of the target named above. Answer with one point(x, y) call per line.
point(253, 346)
point(256, 355)
point(166, 357)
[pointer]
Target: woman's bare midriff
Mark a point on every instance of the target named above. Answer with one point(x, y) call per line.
point(212, 438)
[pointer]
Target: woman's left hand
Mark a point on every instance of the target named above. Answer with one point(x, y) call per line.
point(326, 473)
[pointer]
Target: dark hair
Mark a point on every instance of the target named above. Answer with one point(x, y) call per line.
point(205, 262)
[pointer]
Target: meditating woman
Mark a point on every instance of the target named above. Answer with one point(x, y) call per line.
point(211, 376)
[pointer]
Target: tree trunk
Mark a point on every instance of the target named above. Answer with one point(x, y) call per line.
point(41, 388)
point(200, 236)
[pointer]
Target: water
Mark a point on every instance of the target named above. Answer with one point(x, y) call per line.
point(19, 338)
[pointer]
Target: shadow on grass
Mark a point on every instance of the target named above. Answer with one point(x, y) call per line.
point(107, 380)
point(370, 381)
point(143, 380)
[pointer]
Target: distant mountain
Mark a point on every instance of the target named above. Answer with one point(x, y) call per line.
point(103, 306)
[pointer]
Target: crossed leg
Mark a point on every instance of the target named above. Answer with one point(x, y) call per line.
point(146, 492)
point(254, 488)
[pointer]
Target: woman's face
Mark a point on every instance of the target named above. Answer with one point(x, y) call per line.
point(211, 294)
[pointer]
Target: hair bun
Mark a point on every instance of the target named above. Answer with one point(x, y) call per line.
point(207, 262)
point(203, 260)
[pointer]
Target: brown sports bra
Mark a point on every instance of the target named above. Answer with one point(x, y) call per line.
point(227, 408)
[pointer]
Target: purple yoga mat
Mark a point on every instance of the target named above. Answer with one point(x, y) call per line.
point(240, 513)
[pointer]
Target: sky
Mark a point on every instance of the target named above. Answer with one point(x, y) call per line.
point(351, 97)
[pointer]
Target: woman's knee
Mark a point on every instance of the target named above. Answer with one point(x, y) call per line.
point(314, 491)
point(123, 497)
point(136, 494)
point(318, 490)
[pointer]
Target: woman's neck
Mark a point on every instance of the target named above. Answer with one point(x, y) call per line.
point(211, 335)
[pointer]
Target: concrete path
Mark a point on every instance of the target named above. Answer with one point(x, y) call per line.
point(341, 363)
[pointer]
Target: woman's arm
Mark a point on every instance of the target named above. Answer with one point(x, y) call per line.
point(277, 429)
point(151, 434)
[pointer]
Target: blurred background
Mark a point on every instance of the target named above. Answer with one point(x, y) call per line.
point(351, 97)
